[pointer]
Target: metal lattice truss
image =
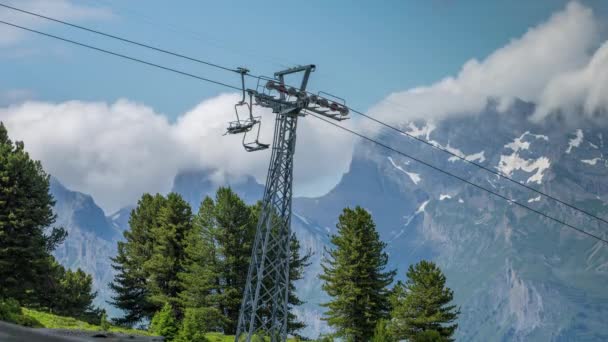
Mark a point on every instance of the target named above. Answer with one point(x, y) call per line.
point(264, 309)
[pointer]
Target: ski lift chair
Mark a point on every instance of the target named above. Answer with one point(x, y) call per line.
point(246, 125)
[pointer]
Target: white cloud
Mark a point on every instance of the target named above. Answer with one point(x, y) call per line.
point(58, 9)
point(584, 88)
point(117, 152)
point(532, 68)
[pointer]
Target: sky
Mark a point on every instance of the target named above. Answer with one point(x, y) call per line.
point(90, 117)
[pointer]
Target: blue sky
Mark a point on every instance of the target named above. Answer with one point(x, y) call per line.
point(550, 52)
point(363, 50)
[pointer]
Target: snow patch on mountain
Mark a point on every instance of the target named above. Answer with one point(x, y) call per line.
point(444, 196)
point(510, 163)
point(591, 161)
point(414, 177)
point(519, 143)
point(424, 131)
point(576, 141)
point(535, 199)
point(479, 156)
point(422, 207)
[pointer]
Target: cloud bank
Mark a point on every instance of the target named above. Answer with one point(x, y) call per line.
point(556, 65)
point(59, 9)
point(116, 152)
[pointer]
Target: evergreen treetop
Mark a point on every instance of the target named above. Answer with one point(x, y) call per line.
point(354, 276)
point(421, 306)
point(26, 210)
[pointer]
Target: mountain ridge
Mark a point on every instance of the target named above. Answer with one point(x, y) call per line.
point(516, 276)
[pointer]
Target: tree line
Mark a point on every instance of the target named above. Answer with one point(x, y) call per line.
point(182, 274)
point(185, 273)
point(29, 274)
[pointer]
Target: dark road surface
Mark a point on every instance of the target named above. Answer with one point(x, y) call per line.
point(15, 333)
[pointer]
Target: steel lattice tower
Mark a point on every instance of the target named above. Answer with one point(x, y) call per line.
point(264, 309)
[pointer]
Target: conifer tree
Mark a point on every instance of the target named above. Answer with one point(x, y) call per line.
point(297, 264)
point(201, 276)
point(164, 323)
point(169, 252)
point(26, 210)
point(229, 225)
point(354, 276)
point(197, 322)
point(421, 306)
point(381, 333)
point(132, 294)
point(76, 296)
point(219, 250)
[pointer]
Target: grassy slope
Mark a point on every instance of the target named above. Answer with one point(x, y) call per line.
point(48, 320)
point(51, 321)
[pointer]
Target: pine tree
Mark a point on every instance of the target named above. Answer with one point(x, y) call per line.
point(421, 306)
point(77, 295)
point(26, 210)
point(164, 323)
point(103, 322)
point(197, 322)
point(200, 274)
point(169, 252)
point(218, 254)
point(228, 228)
point(354, 276)
point(130, 285)
point(297, 264)
point(381, 333)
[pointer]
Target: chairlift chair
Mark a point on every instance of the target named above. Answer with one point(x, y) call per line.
point(255, 145)
point(246, 125)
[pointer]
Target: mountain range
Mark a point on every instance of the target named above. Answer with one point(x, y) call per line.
point(516, 275)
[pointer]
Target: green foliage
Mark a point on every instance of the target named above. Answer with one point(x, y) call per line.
point(77, 294)
point(67, 292)
point(130, 282)
point(200, 275)
point(48, 320)
point(230, 226)
point(297, 264)
point(164, 323)
point(169, 252)
point(104, 324)
point(196, 323)
point(429, 336)
point(11, 311)
point(421, 305)
point(26, 210)
point(325, 338)
point(381, 333)
point(219, 251)
point(192, 262)
point(28, 271)
point(8, 309)
point(354, 276)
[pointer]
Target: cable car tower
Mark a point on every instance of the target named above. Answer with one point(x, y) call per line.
point(265, 308)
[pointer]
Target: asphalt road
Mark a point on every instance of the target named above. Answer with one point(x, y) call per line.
point(15, 333)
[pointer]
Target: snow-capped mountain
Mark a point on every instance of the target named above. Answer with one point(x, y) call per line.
point(516, 275)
